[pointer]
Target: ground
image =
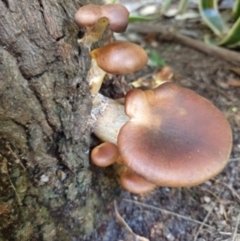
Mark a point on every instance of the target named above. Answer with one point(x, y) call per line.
point(204, 213)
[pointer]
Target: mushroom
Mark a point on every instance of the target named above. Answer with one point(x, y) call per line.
point(105, 154)
point(134, 183)
point(120, 57)
point(87, 15)
point(118, 14)
point(170, 135)
point(114, 58)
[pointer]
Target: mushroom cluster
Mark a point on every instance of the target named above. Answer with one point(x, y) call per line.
point(108, 58)
point(107, 154)
point(117, 14)
point(168, 136)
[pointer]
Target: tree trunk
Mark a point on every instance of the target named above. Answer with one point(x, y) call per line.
point(47, 189)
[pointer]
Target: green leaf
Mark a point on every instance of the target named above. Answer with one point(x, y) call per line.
point(210, 14)
point(236, 9)
point(165, 6)
point(232, 39)
point(155, 59)
point(140, 18)
point(183, 6)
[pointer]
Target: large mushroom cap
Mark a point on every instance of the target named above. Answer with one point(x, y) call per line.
point(120, 57)
point(174, 137)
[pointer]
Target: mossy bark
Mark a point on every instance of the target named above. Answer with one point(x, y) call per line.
point(47, 189)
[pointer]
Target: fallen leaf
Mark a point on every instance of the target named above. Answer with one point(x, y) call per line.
point(4, 209)
point(235, 70)
point(165, 74)
point(233, 82)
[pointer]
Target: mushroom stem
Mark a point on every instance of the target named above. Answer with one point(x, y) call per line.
point(108, 117)
point(95, 77)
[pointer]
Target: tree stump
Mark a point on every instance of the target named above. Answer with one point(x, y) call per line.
point(47, 189)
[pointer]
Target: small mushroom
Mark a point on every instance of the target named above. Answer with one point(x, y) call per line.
point(105, 154)
point(170, 135)
point(88, 15)
point(118, 15)
point(134, 183)
point(114, 58)
point(120, 57)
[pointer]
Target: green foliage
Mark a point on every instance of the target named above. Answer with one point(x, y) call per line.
point(210, 14)
point(140, 18)
point(182, 6)
point(226, 36)
point(156, 60)
point(236, 9)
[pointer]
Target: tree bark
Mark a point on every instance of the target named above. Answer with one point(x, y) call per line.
point(47, 189)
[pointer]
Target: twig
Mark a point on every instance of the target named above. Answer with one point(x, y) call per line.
point(236, 228)
point(17, 160)
point(171, 34)
point(234, 193)
point(204, 221)
point(120, 219)
point(218, 199)
point(211, 193)
point(5, 168)
point(168, 212)
point(234, 159)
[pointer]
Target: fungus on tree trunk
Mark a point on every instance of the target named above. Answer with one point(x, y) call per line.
point(170, 135)
point(114, 58)
point(134, 183)
point(105, 154)
point(117, 14)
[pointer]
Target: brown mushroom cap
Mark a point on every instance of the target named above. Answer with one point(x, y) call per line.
point(174, 137)
point(118, 15)
point(120, 57)
point(88, 15)
point(135, 183)
point(105, 154)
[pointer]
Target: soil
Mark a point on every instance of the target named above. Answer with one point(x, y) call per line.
point(204, 213)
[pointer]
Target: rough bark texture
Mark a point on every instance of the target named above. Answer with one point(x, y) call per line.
point(47, 190)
